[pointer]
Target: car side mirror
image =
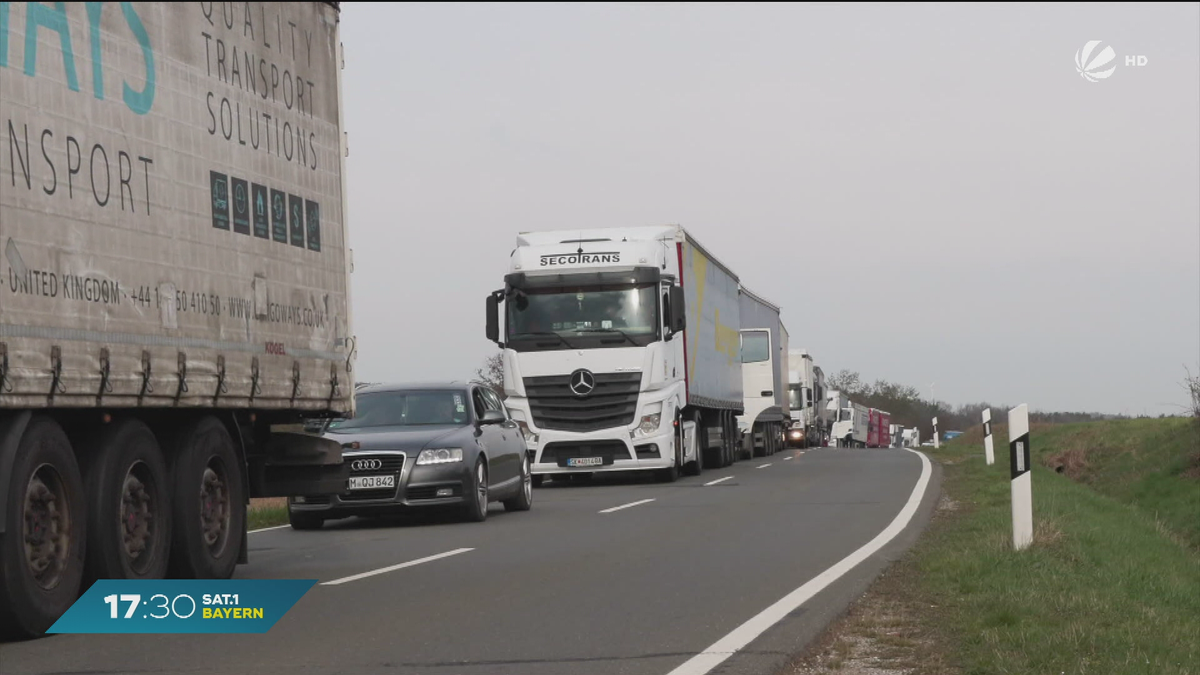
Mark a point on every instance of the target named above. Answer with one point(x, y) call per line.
point(492, 417)
point(678, 310)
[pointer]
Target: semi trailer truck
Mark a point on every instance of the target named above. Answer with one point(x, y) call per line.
point(764, 350)
point(853, 423)
point(174, 286)
point(620, 351)
point(808, 398)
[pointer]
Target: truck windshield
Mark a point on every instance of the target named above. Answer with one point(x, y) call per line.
point(405, 409)
point(584, 317)
point(847, 414)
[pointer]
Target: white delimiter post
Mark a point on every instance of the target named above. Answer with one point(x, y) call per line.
point(1022, 491)
point(937, 441)
point(987, 437)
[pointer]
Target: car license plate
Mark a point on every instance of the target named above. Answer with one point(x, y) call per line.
point(371, 482)
point(585, 461)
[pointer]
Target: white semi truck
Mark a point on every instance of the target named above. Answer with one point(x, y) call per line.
point(806, 392)
point(174, 286)
point(764, 352)
point(852, 425)
point(620, 351)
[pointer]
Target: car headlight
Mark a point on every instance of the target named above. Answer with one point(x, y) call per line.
point(440, 456)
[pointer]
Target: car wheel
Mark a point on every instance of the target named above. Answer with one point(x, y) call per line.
point(523, 501)
point(475, 501)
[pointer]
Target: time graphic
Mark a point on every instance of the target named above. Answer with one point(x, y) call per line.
point(182, 606)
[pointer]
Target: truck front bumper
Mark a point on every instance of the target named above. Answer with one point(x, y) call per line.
point(601, 452)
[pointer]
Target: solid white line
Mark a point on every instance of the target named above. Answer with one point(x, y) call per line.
point(625, 506)
point(722, 649)
point(393, 568)
point(719, 480)
point(268, 529)
point(763, 466)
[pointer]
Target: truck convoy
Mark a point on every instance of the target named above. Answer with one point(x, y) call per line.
point(622, 351)
point(764, 347)
point(174, 286)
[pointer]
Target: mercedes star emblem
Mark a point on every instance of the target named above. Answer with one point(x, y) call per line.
point(582, 382)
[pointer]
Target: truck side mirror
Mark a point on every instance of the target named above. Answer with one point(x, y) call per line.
point(493, 317)
point(678, 310)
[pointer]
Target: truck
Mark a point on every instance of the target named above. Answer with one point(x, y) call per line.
point(764, 350)
point(807, 396)
point(175, 296)
point(850, 430)
point(620, 351)
point(911, 438)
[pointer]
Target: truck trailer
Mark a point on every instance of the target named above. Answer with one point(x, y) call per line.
point(879, 429)
point(620, 351)
point(174, 286)
point(764, 350)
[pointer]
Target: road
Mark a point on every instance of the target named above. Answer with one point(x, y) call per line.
point(574, 586)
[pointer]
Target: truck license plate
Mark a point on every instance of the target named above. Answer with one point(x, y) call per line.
point(585, 461)
point(372, 482)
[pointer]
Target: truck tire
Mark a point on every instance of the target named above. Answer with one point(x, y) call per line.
point(209, 512)
point(129, 508)
point(43, 549)
point(671, 473)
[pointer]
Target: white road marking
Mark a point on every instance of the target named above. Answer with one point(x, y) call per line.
point(625, 506)
point(268, 529)
point(719, 480)
point(763, 466)
point(787, 459)
point(393, 568)
point(722, 649)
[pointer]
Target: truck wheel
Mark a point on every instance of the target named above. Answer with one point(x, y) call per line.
point(129, 512)
point(210, 507)
point(43, 549)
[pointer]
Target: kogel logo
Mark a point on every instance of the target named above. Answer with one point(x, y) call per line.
point(580, 259)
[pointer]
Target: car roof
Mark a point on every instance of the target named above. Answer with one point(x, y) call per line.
point(434, 385)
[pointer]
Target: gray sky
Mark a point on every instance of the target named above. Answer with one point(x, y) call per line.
point(931, 193)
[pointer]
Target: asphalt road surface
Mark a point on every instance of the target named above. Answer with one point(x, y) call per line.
point(729, 572)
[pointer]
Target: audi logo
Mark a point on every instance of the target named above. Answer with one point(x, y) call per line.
point(366, 464)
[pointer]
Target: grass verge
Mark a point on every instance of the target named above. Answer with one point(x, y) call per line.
point(1105, 588)
point(267, 512)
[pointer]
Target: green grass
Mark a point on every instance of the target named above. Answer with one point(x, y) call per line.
point(1103, 589)
point(266, 513)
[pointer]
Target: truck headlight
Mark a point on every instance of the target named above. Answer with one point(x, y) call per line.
point(650, 424)
point(796, 433)
point(440, 456)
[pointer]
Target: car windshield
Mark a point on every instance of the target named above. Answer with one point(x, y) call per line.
point(406, 409)
point(569, 311)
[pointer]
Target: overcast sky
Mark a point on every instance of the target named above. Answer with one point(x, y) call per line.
point(932, 193)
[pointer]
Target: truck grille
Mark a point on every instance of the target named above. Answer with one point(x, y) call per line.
point(613, 403)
